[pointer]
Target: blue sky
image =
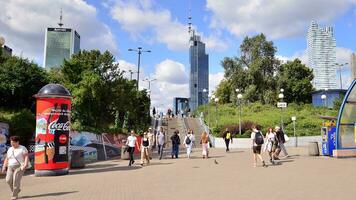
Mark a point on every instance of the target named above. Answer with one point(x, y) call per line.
point(161, 26)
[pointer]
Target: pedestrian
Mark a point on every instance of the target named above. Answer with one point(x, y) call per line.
point(281, 140)
point(161, 140)
point(257, 142)
point(15, 164)
point(204, 141)
point(227, 138)
point(145, 144)
point(151, 137)
point(193, 139)
point(175, 144)
point(271, 144)
point(188, 142)
point(131, 143)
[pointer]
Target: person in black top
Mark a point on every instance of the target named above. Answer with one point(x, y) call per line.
point(227, 136)
point(175, 144)
point(281, 140)
point(145, 144)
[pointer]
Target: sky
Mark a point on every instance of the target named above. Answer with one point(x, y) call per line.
point(161, 26)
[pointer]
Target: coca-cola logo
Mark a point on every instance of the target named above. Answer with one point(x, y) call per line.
point(55, 126)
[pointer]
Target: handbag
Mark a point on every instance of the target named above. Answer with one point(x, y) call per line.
point(286, 138)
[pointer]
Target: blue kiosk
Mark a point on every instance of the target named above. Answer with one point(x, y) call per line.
point(345, 139)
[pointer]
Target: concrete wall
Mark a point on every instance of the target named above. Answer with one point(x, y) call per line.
point(247, 143)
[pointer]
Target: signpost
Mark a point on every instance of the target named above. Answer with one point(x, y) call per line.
point(281, 104)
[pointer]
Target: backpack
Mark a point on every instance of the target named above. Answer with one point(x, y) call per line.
point(188, 140)
point(259, 138)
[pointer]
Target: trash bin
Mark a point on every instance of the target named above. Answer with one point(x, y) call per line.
point(52, 130)
point(124, 153)
point(77, 159)
point(313, 149)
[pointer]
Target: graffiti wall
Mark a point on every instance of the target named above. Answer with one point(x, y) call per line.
point(4, 134)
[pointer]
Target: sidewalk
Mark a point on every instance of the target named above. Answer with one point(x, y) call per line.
point(298, 177)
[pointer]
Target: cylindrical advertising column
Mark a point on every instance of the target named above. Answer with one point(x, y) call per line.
point(52, 130)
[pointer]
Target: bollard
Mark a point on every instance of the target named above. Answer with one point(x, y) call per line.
point(313, 149)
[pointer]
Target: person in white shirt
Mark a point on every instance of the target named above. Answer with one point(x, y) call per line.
point(161, 140)
point(151, 138)
point(188, 142)
point(16, 162)
point(257, 142)
point(131, 143)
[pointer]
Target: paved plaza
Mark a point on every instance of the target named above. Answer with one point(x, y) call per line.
point(297, 177)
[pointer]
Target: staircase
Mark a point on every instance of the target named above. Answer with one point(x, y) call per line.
point(194, 125)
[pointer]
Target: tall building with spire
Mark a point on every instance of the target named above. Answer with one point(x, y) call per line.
point(199, 70)
point(353, 66)
point(322, 56)
point(60, 44)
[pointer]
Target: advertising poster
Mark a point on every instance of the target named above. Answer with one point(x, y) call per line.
point(4, 134)
point(52, 134)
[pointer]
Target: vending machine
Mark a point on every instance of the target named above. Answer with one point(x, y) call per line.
point(328, 135)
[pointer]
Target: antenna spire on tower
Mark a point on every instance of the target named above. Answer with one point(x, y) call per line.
point(190, 18)
point(60, 19)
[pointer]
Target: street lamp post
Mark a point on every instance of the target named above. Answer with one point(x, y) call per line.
point(205, 91)
point(149, 82)
point(131, 72)
point(295, 136)
point(341, 65)
point(216, 111)
point(139, 52)
point(323, 98)
point(239, 97)
point(281, 96)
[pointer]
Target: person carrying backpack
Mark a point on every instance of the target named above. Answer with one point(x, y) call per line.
point(188, 142)
point(227, 136)
point(257, 142)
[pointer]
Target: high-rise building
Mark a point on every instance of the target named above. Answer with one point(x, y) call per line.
point(199, 72)
point(60, 44)
point(6, 51)
point(322, 56)
point(353, 65)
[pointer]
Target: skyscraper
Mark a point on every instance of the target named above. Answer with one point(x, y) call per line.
point(199, 72)
point(322, 56)
point(60, 44)
point(353, 66)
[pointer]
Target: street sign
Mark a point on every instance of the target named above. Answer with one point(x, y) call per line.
point(281, 104)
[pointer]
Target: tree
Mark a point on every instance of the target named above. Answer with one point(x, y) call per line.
point(295, 78)
point(20, 79)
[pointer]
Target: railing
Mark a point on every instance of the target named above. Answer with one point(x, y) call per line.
point(207, 130)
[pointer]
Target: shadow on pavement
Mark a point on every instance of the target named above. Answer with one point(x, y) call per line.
point(111, 169)
point(99, 166)
point(152, 164)
point(235, 152)
point(48, 194)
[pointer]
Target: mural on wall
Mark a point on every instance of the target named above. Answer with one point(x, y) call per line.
point(93, 147)
point(4, 134)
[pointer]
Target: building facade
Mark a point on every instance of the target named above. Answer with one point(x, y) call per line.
point(6, 51)
point(353, 66)
point(199, 72)
point(60, 44)
point(322, 56)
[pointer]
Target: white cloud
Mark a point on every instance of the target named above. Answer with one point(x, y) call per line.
point(144, 21)
point(23, 24)
point(214, 80)
point(172, 72)
point(276, 18)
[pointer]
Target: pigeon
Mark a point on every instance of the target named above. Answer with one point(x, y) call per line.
point(216, 162)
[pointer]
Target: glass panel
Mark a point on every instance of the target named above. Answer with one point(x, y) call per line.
point(347, 135)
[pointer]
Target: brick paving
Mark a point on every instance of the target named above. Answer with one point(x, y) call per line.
point(298, 177)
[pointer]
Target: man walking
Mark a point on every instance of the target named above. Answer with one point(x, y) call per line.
point(281, 141)
point(150, 136)
point(227, 138)
point(257, 142)
point(131, 142)
point(161, 140)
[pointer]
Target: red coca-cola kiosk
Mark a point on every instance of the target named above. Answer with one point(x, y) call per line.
point(52, 130)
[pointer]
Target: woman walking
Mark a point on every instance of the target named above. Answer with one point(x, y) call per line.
point(205, 144)
point(257, 142)
point(188, 142)
point(175, 144)
point(145, 145)
point(271, 144)
point(131, 143)
point(16, 162)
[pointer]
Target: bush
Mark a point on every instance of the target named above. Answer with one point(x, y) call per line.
point(23, 124)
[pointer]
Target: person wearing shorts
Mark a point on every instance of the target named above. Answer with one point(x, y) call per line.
point(256, 148)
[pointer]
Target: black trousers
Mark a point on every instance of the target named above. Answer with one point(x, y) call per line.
point(227, 143)
point(131, 151)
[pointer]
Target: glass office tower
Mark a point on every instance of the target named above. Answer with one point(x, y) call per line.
point(199, 72)
point(60, 44)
